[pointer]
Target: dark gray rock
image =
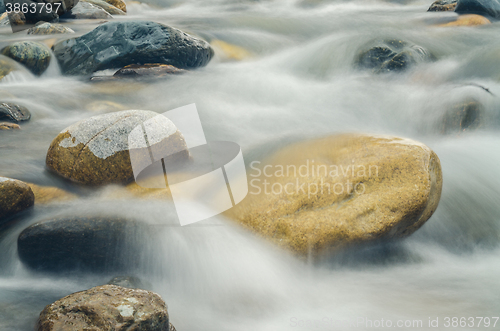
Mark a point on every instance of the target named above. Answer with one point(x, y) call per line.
point(85, 10)
point(443, 5)
point(33, 55)
point(392, 56)
point(14, 112)
point(118, 44)
point(84, 243)
point(489, 8)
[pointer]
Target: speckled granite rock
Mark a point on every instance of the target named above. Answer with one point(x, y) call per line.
point(15, 196)
point(13, 112)
point(117, 44)
point(49, 28)
point(93, 243)
point(345, 190)
point(106, 308)
point(34, 56)
point(96, 150)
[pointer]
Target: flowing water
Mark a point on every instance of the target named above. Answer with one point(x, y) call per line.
point(298, 82)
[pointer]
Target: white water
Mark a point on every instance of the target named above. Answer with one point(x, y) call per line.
point(300, 83)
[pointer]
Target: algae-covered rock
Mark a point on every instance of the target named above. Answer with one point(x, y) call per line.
point(15, 196)
point(33, 55)
point(322, 195)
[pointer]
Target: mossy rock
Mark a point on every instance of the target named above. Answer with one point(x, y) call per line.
point(33, 55)
point(95, 151)
point(15, 196)
point(340, 191)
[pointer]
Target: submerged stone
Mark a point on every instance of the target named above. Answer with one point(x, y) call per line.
point(33, 55)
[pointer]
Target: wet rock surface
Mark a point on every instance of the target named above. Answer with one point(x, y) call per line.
point(33, 55)
point(443, 5)
point(85, 10)
point(118, 44)
point(96, 150)
point(49, 28)
point(392, 56)
point(15, 196)
point(106, 308)
point(13, 112)
point(489, 8)
point(352, 190)
point(93, 243)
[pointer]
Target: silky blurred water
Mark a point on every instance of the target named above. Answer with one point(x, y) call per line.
point(299, 82)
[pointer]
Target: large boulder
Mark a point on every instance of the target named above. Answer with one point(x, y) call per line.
point(117, 44)
point(106, 308)
point(97, 243)
point(319, 196)
point(489, 8)
point(392, 56)
point(33, 55)
point(15, 196)
point(96, 150)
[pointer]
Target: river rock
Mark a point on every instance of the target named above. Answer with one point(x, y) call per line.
point(85, 10)
point(42, 13)
point(95, 151)
point(319, 196)
point(48, 28)
point(117, 44)
point(7, 65)
point(8, 126)
point(13, 112)
point(392, 55)
point(443, 5)
point(463, 116)
point(489, 8)
point(33, 55)
point(106, 6)
point(48, 194)
point(120, 4)
point(106, 307)
point(467, 20)
point(15, 196)
point(149, 69)
point(93, 243)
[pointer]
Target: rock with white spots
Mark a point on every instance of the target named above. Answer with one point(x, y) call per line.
point(96, 150)
point(106, 307)
point(15, 196)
